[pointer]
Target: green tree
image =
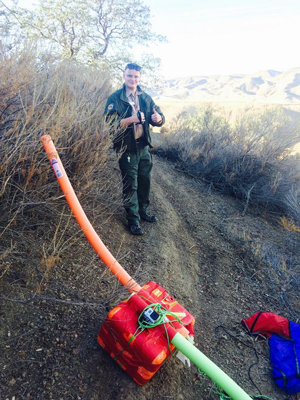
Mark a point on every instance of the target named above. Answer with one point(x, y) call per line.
point(91, 31)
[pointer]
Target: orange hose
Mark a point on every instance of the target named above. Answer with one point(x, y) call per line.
point(82, 219)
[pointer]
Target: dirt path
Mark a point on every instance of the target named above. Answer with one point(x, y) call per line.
point(192, 254)
point(205, 253)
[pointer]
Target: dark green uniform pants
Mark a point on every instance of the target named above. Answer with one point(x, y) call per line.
point(136, 174)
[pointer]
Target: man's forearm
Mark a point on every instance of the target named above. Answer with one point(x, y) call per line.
point(131, 120)
point(126, 122)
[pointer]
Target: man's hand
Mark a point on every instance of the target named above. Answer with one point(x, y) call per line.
point(134, 119)
point(155, 117)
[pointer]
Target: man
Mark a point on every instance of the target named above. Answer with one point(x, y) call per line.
point(134, 110)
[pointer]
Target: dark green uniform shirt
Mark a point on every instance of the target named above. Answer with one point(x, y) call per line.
point(118, 107)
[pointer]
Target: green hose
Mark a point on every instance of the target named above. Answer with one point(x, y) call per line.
point(209, 368)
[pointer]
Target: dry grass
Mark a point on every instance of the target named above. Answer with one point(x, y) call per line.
point(65, 100)
point(251, 160)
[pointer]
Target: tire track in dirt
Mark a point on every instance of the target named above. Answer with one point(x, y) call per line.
point(171, 258)
point(167, 251)
point(174, 242)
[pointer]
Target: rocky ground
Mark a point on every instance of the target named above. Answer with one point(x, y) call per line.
point(220, 264)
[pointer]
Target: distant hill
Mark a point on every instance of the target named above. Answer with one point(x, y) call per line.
point(268, 86)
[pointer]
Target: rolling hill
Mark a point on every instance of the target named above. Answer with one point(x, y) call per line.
point(268, 86)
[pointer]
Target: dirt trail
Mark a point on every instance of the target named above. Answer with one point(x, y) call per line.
point(205, 253)
point(191, 253)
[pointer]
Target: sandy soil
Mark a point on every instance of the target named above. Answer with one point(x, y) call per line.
point(222, 266)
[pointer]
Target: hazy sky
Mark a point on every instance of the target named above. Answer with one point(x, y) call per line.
point(209, 37)
point(226, 36)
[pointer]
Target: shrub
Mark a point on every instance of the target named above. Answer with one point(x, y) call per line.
point(250, 160)
point(65, 100)
point(60, 99)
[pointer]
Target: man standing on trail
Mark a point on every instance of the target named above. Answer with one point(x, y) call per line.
point(134, 110)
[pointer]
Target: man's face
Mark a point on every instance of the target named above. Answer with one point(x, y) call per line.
point(131, 79)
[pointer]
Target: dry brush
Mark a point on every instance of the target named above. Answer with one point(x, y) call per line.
point(44, 96)
point(251, 160)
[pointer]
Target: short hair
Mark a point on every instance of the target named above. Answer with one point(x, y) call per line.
point(133, 66)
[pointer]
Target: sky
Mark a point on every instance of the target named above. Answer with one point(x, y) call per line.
point(209, 37)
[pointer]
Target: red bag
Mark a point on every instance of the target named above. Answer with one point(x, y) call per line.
point(266, 323)
point(141, 353)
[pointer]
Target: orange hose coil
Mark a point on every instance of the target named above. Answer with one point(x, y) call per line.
point(82, 219)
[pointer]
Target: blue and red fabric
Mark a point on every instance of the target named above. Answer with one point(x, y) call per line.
point(284, 342)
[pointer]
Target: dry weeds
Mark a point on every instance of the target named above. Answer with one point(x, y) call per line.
point(65, 100)
point(251, 161)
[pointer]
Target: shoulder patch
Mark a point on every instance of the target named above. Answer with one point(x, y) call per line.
point(110, 107)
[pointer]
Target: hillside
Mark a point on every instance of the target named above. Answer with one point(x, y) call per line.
point(222, 266)
point(273, 87)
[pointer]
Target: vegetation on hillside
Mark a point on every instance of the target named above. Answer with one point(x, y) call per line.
point(250, 160)
point(58, 64)
point(66, 101)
